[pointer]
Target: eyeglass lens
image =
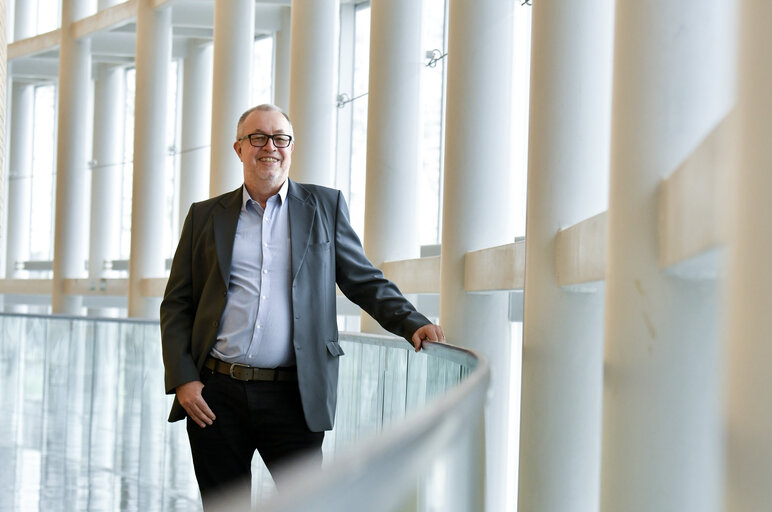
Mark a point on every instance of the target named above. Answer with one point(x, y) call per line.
point(260, 139)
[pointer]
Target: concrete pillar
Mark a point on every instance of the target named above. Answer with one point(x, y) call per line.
point(673, 68)
point(747, 347)
point(393, 128)
point(109, 100)
point(234, 34)
point(476, 204)
point(4, 84)
point(15, 210)
point(312, 89)
point(281, 60)
point(70, 221)
point(19, 176)
point(150, 150)
point(196, 126)
point(23, 20)
point(560, 429)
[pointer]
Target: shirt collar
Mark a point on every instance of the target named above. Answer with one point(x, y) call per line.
point(245, 197)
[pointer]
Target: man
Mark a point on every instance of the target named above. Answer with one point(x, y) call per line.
point(248, 321)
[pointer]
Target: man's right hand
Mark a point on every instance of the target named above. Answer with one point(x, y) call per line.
point(189, 395)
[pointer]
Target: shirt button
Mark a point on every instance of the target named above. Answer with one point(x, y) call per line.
point(265, 271)
point(264, 297)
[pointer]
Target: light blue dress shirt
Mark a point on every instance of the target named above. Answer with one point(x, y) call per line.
point(256, 324)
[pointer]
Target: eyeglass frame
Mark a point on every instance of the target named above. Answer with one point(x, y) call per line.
point(268, 137)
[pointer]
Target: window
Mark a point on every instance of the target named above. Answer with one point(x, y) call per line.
point(262, 71)
point(172, 167)
point(351, 156)
point(128, 163)
point(434, 39)
point(361, 81)
point(48, 15)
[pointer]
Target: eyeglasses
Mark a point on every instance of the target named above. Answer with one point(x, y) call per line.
point(258, 140)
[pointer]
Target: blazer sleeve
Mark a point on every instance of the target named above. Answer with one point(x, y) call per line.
point(178, 311)
point(366, 286)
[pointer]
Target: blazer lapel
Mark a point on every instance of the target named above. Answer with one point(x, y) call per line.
point(301, 221)
point(224, 222)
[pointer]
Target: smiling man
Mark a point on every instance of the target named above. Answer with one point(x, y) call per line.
point(248, 321)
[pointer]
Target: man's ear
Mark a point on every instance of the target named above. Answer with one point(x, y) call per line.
point(237, 149)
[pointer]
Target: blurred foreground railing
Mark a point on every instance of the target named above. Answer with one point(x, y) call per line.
point(432, 459)
point(85, 425)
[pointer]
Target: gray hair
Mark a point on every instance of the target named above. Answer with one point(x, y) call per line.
point(265, 107)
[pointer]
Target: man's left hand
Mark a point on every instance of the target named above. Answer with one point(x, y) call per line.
point(428, 332)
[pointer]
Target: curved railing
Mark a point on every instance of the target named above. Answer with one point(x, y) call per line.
point(432, 459)
point(85, 425)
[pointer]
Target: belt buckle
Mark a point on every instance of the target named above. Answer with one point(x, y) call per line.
point(233, 365)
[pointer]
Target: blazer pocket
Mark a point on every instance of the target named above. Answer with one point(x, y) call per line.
point(334, 348)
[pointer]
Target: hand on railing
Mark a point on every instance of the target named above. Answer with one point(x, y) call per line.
point(428, 332)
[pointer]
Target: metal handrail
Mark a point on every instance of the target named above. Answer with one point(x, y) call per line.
point(56, 316)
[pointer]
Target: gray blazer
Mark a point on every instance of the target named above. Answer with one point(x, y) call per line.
point(325, 250)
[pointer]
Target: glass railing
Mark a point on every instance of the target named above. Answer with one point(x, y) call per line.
point(84, 424)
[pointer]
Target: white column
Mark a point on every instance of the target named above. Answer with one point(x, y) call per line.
point(234, 34)
point(150, 150)
point(19, 176)
point(312, 89)
point(23, 20)
point(16, 213)
point(673, 68)
point(476, 205)
point(560, 430)
point(6, 83)
point(71, 205)
point(109, 98)
point(747, 346)
point(393, 134)
point(196, 126)
point(281, 60)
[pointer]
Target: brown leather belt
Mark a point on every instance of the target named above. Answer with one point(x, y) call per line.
point(246, 373)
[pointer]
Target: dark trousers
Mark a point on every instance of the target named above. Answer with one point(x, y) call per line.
point(263, 416)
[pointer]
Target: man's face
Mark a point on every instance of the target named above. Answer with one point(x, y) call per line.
point(266, 167)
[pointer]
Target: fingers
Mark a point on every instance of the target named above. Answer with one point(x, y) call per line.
point(416, 339)
point(201, 413)
point(189, 396)
point(429, 332)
